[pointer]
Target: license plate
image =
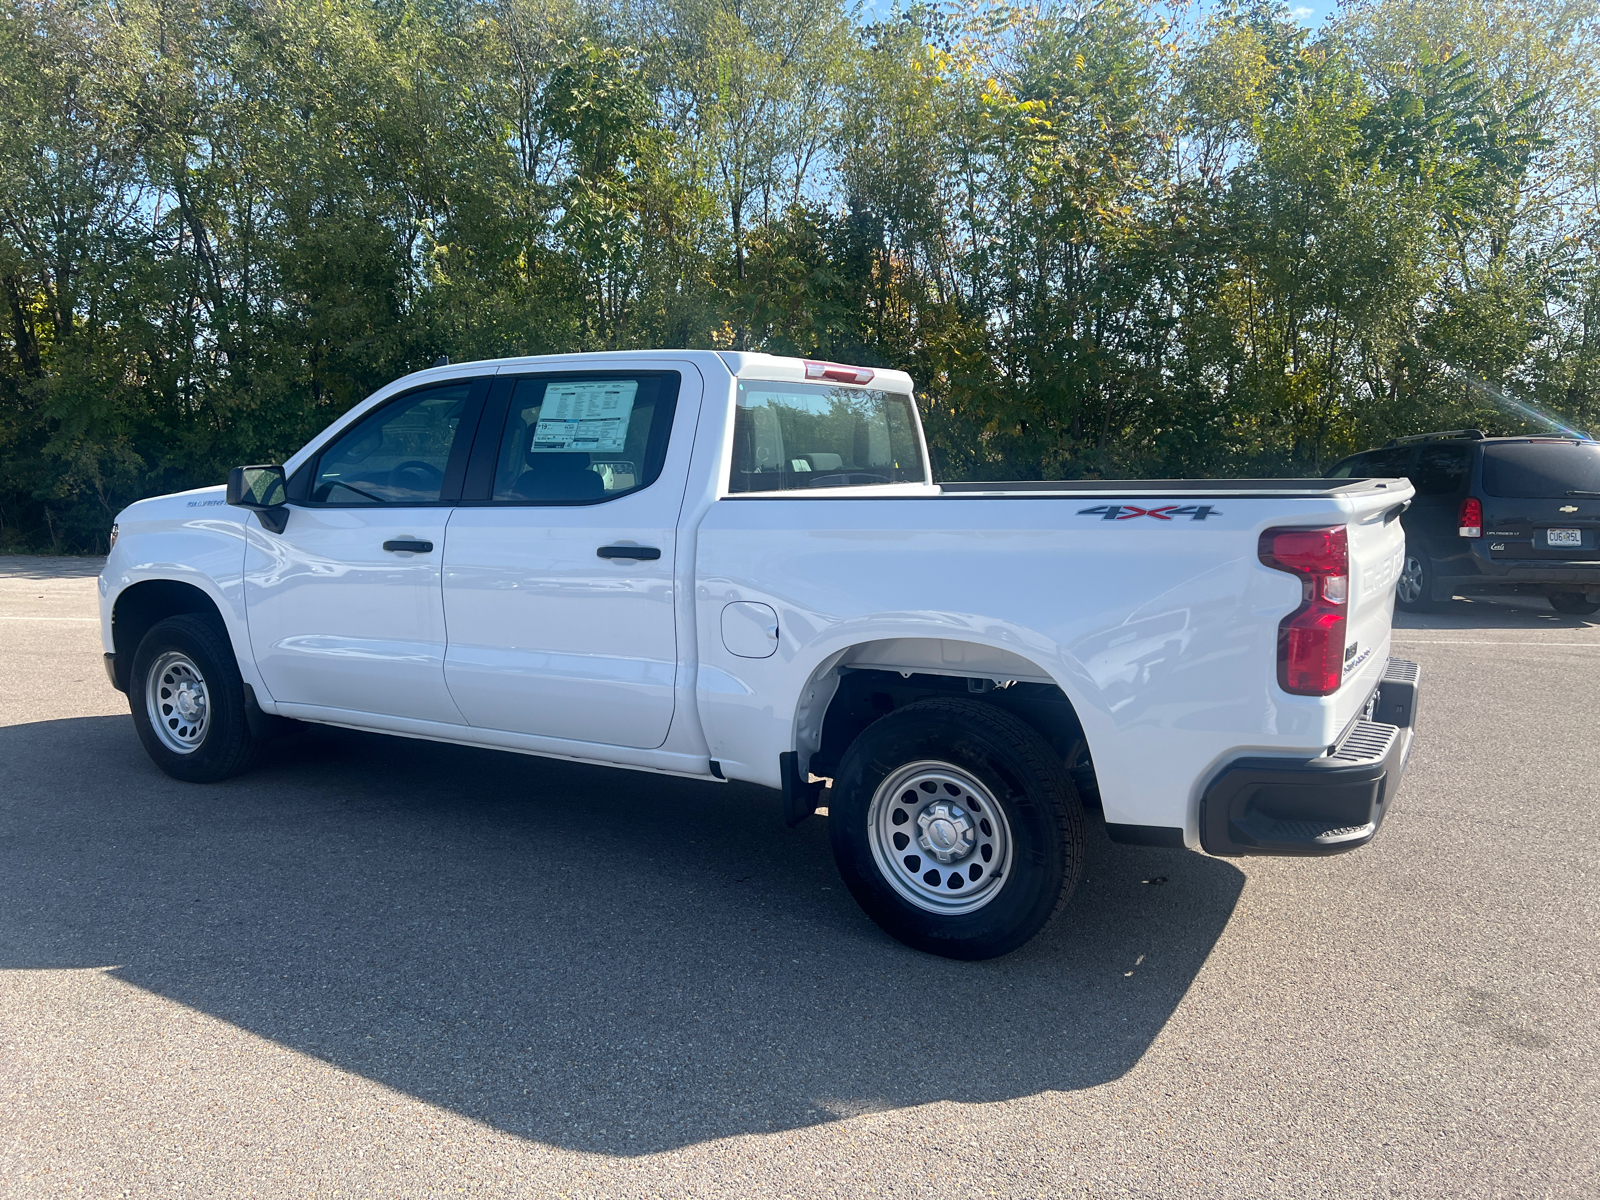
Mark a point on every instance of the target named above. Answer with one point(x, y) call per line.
point(1564, 537)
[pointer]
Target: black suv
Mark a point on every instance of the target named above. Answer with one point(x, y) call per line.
point(1503, 514)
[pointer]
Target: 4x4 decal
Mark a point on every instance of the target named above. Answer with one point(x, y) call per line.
point(1123, 512)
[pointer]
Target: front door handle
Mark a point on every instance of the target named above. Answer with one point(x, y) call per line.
point(647, 553)
point(403, 545)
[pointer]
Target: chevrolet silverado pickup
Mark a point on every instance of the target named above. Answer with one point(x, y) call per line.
point(733, 566)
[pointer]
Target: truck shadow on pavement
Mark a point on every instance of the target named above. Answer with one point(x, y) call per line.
point(1493, 612)
point(602, 960)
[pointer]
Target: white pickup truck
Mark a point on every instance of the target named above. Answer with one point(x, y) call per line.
point(737, 566)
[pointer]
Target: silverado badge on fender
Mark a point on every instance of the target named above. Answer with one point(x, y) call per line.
point(1122, 512)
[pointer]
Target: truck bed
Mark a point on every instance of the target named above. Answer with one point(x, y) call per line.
point(1212, 488)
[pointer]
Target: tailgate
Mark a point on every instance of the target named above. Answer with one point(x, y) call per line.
point(1377, 552)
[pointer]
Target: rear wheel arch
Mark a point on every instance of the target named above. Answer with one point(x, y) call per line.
point(842, 700)
point(141, 605)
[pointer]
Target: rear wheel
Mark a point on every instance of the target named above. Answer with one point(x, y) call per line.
point(187, 700)
point(1573, 603)
point(1413, 591)
point(956, 828)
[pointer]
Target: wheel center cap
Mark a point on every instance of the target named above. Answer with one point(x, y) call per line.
point(188, 702)
point(946, 831)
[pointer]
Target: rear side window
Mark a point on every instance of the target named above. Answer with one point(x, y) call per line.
point(1390, 463)
point(798, 436)
point(582, 439)
point(1541, 470)
point(1441, 470)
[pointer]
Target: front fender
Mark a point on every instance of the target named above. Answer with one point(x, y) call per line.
point(191, 538)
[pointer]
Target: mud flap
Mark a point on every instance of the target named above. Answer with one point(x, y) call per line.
point(800, 797)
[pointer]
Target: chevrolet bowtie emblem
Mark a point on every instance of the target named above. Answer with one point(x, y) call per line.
point(1569, 508)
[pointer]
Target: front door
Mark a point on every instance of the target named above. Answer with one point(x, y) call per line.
point(559, 590)
point(345, 608)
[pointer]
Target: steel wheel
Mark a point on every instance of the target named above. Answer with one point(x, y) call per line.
point(939, 838)
point(1408, 589)
point(178, 702)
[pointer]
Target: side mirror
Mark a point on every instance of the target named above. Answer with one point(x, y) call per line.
point(265, 490)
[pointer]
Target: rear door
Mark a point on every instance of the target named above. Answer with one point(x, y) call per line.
point(559, 570)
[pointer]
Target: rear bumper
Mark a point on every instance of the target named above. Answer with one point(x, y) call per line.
point(1479, 573)
point(1323, 805)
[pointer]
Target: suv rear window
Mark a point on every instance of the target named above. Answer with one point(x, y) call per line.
point(1541, 470)
point(789, 436)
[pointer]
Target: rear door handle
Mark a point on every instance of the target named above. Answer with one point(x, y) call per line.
point(647, 553)
point(402, 545)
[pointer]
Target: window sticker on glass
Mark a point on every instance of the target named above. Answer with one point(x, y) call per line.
point(585, 415)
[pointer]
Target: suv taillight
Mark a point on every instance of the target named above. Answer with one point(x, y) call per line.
point(1311, 639)
point(1470, 519)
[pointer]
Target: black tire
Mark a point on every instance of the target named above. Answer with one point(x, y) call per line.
point(1573, 604)
point(1042, 822)
point(217, 732)
point(1413, 591)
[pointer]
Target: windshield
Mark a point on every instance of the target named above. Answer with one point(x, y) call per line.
point(789, 436)
point(1541, 470)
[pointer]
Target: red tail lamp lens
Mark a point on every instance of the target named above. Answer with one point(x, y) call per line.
point(1311, 639)
point(1471, 517)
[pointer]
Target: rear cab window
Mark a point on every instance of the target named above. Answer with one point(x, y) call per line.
point(805, 436)
point(1541, 470)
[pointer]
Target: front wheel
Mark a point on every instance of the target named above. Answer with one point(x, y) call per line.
point(1413, 591)
point(187, 700)
point(1574, 604)
point(956, 828)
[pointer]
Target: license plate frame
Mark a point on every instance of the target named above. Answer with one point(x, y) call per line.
point(1564, 539)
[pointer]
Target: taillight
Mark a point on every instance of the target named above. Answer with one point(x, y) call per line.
point(838, 372)
point(1470, 518)
point(1311, 639)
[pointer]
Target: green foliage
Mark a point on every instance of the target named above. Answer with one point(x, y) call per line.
point(1103, 244)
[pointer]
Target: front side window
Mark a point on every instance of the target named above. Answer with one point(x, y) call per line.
point(577, 439)
point(791, 436)
point(397, 455)
point(1541, 470)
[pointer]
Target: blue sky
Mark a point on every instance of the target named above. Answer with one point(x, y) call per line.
point(1310, 12)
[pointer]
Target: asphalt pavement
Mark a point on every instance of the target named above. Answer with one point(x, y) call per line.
point(379, 967)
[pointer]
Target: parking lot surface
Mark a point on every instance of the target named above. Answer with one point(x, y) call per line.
point(378, 967)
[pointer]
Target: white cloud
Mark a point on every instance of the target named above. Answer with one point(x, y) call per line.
point(1303, 12)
